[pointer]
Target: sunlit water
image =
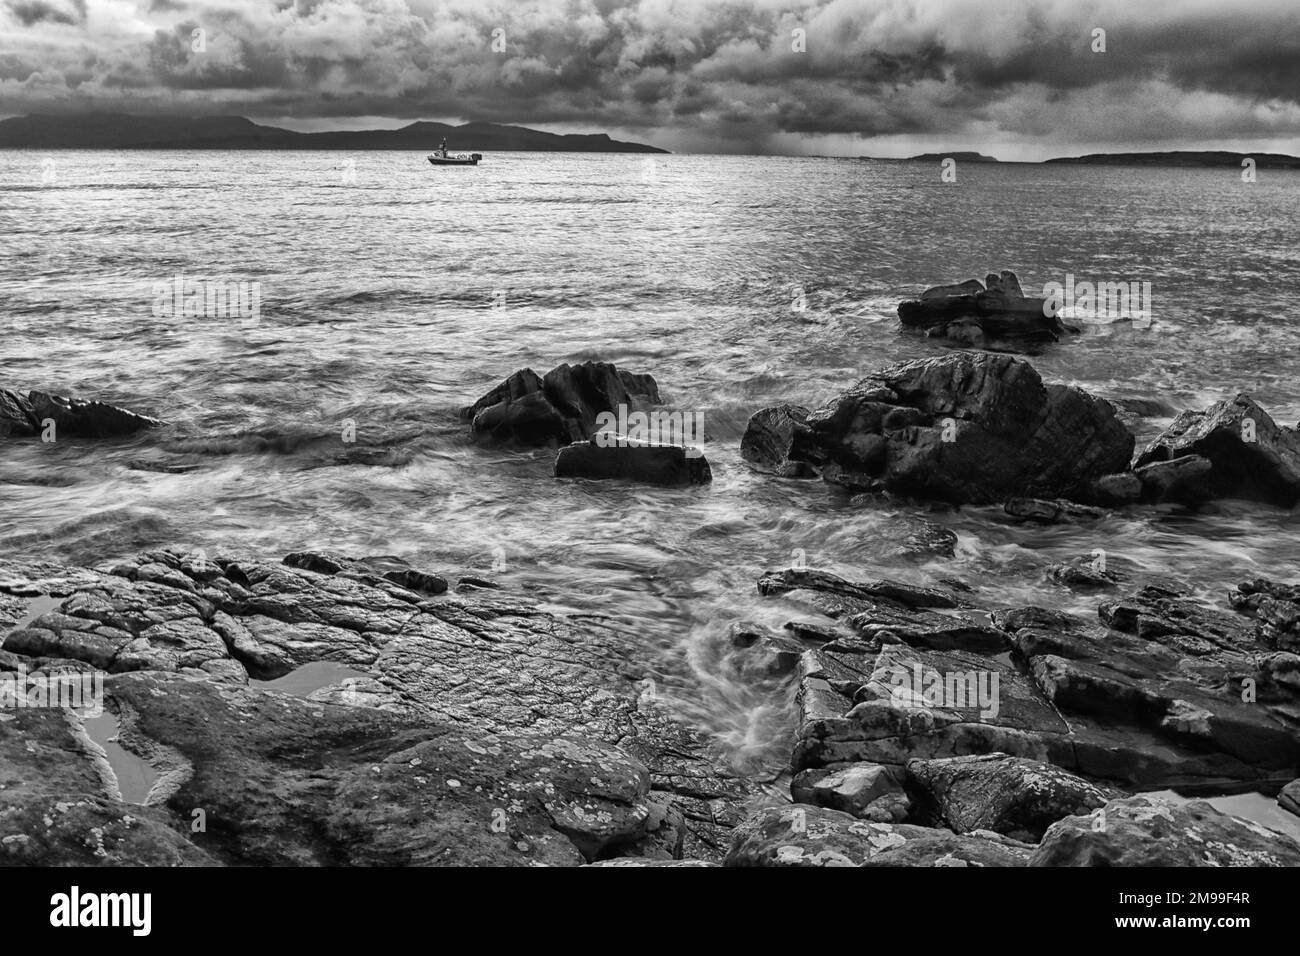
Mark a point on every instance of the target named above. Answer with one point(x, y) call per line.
point(397, 299)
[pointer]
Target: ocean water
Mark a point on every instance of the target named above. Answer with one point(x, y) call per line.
point(393, 293)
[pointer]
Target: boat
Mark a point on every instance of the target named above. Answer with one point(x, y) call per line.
point(440, 157)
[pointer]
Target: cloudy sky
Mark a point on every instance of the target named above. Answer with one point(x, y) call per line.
point(1016, 78)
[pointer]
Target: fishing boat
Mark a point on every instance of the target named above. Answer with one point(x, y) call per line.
point(440, 157)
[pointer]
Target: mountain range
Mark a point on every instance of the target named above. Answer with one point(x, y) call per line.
point(125, 131)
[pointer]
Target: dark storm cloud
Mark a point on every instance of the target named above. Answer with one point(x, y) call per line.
point(756, 69)
point(32, 12)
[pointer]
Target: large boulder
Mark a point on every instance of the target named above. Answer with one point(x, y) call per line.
point(1010, 795)
point(560, 408)
point(769, 441)
point(968, 427)
point(1250, 455)
point(1147, 831)
point(995, 316)
point(631, 460)
point(80, 419)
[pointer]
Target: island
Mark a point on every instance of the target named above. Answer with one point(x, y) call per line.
point(126, 131)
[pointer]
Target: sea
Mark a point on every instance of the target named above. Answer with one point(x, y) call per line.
point(390, 294)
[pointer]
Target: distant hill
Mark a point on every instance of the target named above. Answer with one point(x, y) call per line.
point(1186, 158)
point(960, 157)
point(966, 157)
point(125, 131)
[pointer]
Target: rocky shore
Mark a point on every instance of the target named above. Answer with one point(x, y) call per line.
point(478, 730)
point(460, 723)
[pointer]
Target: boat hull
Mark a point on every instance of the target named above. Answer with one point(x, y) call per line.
point(439, 161)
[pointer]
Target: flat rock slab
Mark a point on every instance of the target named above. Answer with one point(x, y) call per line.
point(1174, 693)
point(633, 461)
point(806, 836)
point(1145, 831)
point(1010, 795)
point(484, 662)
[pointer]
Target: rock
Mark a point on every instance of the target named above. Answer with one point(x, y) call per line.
point(1289, 798)
point(943, 848)
point(1145, 831)
point(806, 836)
point(446, 680)
point(1011, 795)
point(1251, 456)
point(1059, 511)
point(1143, 407)
point(867, 791)
point(998, 317)
point(771, 438)
point(1162, 692)
point(561, 408)
point(630, 460)
point(417, 580)
point(1275, 606)
point(1174, 669)
point(969, 287)
point(883, 611)
point(906, 595)
point(469, 583)
point(965, 428)
point(17, 417)
point(1115, 491)
point(764, 655)
point(1005, 283)
point(378, 788)
point(634, 861)
point(1085, 572)
point(369, 569)
point(1184, 479)
point(928, 540)
point(75, 418)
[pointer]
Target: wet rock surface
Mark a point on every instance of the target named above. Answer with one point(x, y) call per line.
point(807, 836)
point(17, 418)
point(476, 728)
point(1289, 797)
point(529, 410)
point(1024, 723)
point(994, 314)
point(966, 428)
point(1010, 795)
point(484, 730)
point(1142, 831)
point(771, 438)
point(1241, 452)
point(26, 417)
point(81, 419)
point(627, 460)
